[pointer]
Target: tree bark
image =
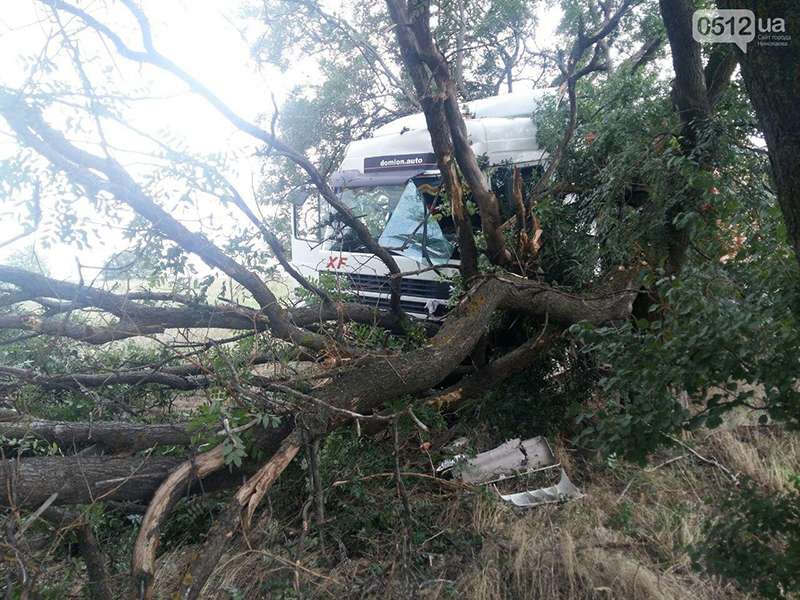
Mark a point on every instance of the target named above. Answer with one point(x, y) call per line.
point(689, 91)
point(690, 97)
point(418, 50)
point(110, 435)
point(432, 102)
point(772, 77)
point(95, 563)
point(28, 482)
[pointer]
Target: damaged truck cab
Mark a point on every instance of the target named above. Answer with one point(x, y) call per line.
point(392, 183)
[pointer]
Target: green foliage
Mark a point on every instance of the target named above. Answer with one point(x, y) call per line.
point(541, 400)
point(62, 355)
point(233, 450)
point(755, 540)
point(27, 446)
point(724, 337)
point(720, 334)
point(362, 335)
point(233, 426)
point(494, 33)
point(357, 474)
point(338, 288)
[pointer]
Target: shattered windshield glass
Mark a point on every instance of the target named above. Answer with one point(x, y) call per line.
point(413, 232)
point(397, 216)
point(372, 205)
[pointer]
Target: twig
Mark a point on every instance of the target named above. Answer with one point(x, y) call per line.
point(665, 463)
point(387, 475)
point(32, 518)
point(710, 461)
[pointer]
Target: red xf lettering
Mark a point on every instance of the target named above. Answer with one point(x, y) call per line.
point(336, 262)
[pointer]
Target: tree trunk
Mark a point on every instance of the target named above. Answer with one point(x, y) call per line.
point(772, 77)
point(111, 435)
point(28, 482)
point(82, 480)
point(690, 96)
point(460, 47)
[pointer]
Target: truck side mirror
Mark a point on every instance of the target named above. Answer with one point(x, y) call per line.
point(298, 196)
point(306, 214)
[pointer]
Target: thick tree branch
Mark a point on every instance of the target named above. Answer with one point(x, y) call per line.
point(412, 27)
point(718, 71)
point(136, 318)
point(771, 74)
point(167, 494)
point(432, 102)
point(689, 91)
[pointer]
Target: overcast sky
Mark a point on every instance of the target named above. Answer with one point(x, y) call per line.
point(210, 40)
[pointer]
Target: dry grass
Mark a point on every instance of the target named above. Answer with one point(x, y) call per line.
point(626, 539)
point(764, 454)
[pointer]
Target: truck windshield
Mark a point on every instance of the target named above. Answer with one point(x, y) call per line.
point(413, 232)
point(397, 216)
point(372, 205)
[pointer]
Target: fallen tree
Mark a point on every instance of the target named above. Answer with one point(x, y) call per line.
point(352, 382)
point(347, 392)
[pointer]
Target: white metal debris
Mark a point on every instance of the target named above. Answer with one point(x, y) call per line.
point(564, 490)
point(511, 459)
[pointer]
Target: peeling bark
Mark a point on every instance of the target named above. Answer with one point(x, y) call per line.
point(239, 512)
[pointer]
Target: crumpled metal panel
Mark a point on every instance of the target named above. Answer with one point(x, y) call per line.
point(564, 490)
point(508, 460)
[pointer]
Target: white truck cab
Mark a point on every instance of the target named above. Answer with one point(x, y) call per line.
point(391, 181)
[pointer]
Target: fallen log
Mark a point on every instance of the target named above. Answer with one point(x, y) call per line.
point(28, 482)
point(110, 435)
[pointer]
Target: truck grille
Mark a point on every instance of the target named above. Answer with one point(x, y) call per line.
point(377, 284)
point(417, 307)
point(424, 288)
